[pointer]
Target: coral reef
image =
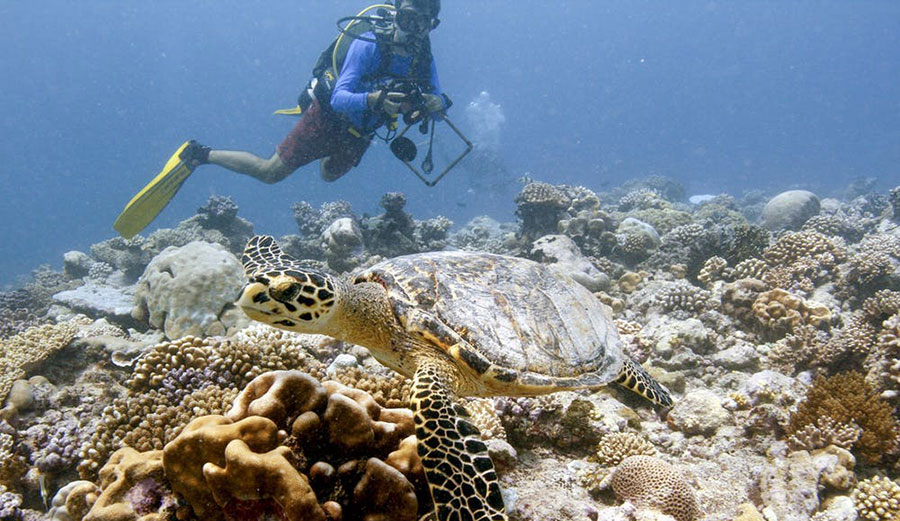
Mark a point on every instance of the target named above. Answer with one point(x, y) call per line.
point(178, 380)
point(751, 328)
point(395, 232)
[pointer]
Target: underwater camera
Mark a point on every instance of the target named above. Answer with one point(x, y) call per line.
point(414, 112)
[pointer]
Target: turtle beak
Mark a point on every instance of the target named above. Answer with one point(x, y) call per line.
point(253, 301)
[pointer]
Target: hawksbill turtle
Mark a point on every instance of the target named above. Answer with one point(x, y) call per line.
point(459, 324)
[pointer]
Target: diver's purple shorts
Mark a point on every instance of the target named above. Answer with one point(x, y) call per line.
point(322, 133)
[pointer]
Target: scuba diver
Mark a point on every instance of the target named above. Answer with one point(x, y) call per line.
point(387, 71)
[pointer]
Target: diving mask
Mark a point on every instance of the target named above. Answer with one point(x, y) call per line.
point(413, 21)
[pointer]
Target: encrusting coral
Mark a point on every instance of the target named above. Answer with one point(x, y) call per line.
point(847, 399)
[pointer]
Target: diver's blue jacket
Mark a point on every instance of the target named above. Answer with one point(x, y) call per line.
point(356, 80)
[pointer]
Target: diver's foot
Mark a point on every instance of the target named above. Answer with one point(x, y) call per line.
point(195, 154)
point(326, 170)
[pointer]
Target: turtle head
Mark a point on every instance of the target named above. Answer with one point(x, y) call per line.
point(283, 293)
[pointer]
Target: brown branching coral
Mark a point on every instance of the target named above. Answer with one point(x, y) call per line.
point(751, 268)
point(804, 347)
point(715, 268)
point(848, 399)
point(683, 296)
point(875, 262)
point(389, 390)
point(485, 417)
point(882, 304)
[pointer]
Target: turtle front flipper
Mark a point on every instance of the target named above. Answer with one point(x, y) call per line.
point(460, 472)
point(635, 379)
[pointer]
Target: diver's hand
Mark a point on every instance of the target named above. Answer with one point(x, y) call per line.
point(433, 102)
point(391, 103)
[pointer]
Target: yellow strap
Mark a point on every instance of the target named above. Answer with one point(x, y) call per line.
point(294, 111)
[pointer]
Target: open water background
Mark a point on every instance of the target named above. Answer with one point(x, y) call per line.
point(722, 96)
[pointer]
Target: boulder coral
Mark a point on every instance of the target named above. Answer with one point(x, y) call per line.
point(190, 291)
point(651, 483)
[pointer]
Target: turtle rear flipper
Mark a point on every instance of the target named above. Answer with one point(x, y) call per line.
point(460, 472)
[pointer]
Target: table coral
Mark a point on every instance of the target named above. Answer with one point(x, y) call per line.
point(651, 483)
point(29, 348)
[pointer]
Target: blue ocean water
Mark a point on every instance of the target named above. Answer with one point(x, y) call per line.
point(722, 96)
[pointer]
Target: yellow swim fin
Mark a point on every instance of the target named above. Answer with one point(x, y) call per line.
point(150, 201)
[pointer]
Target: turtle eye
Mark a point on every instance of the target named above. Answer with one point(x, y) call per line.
point(285, 291)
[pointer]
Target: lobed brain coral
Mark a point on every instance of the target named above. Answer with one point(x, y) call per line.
point(320, 450)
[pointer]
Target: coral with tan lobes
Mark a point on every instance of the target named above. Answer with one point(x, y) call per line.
point(290, 448)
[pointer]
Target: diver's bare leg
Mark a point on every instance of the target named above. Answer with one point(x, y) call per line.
point(268, 171)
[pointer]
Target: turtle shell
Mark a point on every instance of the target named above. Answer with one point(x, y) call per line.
point(517, 314)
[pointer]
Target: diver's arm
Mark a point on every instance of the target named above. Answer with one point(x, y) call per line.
point(346, 97)
point(436, 86)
